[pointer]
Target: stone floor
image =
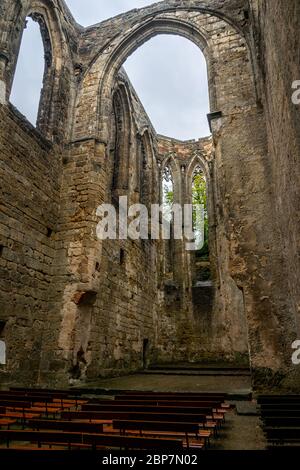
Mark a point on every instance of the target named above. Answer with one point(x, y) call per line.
point(179, 383)
point(240, 432)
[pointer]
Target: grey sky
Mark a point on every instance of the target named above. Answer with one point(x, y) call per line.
point(168, 73)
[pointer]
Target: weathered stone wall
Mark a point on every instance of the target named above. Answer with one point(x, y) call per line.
point(29, 199)
point(199, 321)
point(109, 287)
point(276, 44)
point(30, 186)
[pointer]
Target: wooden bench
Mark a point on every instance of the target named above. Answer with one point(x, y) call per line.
point(23, 410)
point(7, 422)
point(151, 409)
point(45, 405)
point(158, 402)
point(282, 421)
point(154, 402)
point(281, 418)
point(169, 397)
point(92, 440)
point(186, 394)
point(39, 390)
point(279, 412)
point(268, 399)
point(52, 395)
point(19, 416)
point(280, 406)
point(282, 434)
point(20, 404)
point(217, 407)
point(137, 415)
point(18, 407)
point(218, 415)
point(160, 427)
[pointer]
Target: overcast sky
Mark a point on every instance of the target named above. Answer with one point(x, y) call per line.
point(168, 73)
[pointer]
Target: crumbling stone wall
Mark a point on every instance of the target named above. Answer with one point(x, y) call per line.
point(108, 287)
point(31, 163)
point(85, 307)
point(29, 211)
point(276, 45)
point(199, 321)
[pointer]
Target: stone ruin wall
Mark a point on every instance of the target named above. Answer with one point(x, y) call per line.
point(73, 308)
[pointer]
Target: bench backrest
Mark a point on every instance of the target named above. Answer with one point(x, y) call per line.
point(91, 439)
point(282, 433)
point(156, 426)
point(40, 391)
point(281, 406)
point(147, 409)
point(15, 404)
point(161, 402)
point(72, 426)
point(279, 413)
point(278, 399)
point(23, 397)
point(282, 421)
point(186, 394)
point(138, 416)
point(168, 398)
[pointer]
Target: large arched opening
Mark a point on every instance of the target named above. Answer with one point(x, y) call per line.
point(94, 109)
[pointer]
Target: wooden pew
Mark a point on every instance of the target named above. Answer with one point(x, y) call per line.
point(281, 421)
point(40, 391)
point(27, 406)
point(146, 409)
point(71, 426)
point(63, 396)
point(158, 402)
point(280, 413)
point(216, 406)
point(151, 392)
point(275, 408)
point(43, 401)
point(159, 427)
point(111, 415)
point(283, 435)
point(268, 399)
point(172, 401)
point(218, 415)
point(15, 404)
point(168, 398)
point(93, 440)
point(281, 418)
point(17, 410)
point(8, 422)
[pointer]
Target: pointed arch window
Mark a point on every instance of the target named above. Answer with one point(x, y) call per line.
point(167, 192)
point(120, 141)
